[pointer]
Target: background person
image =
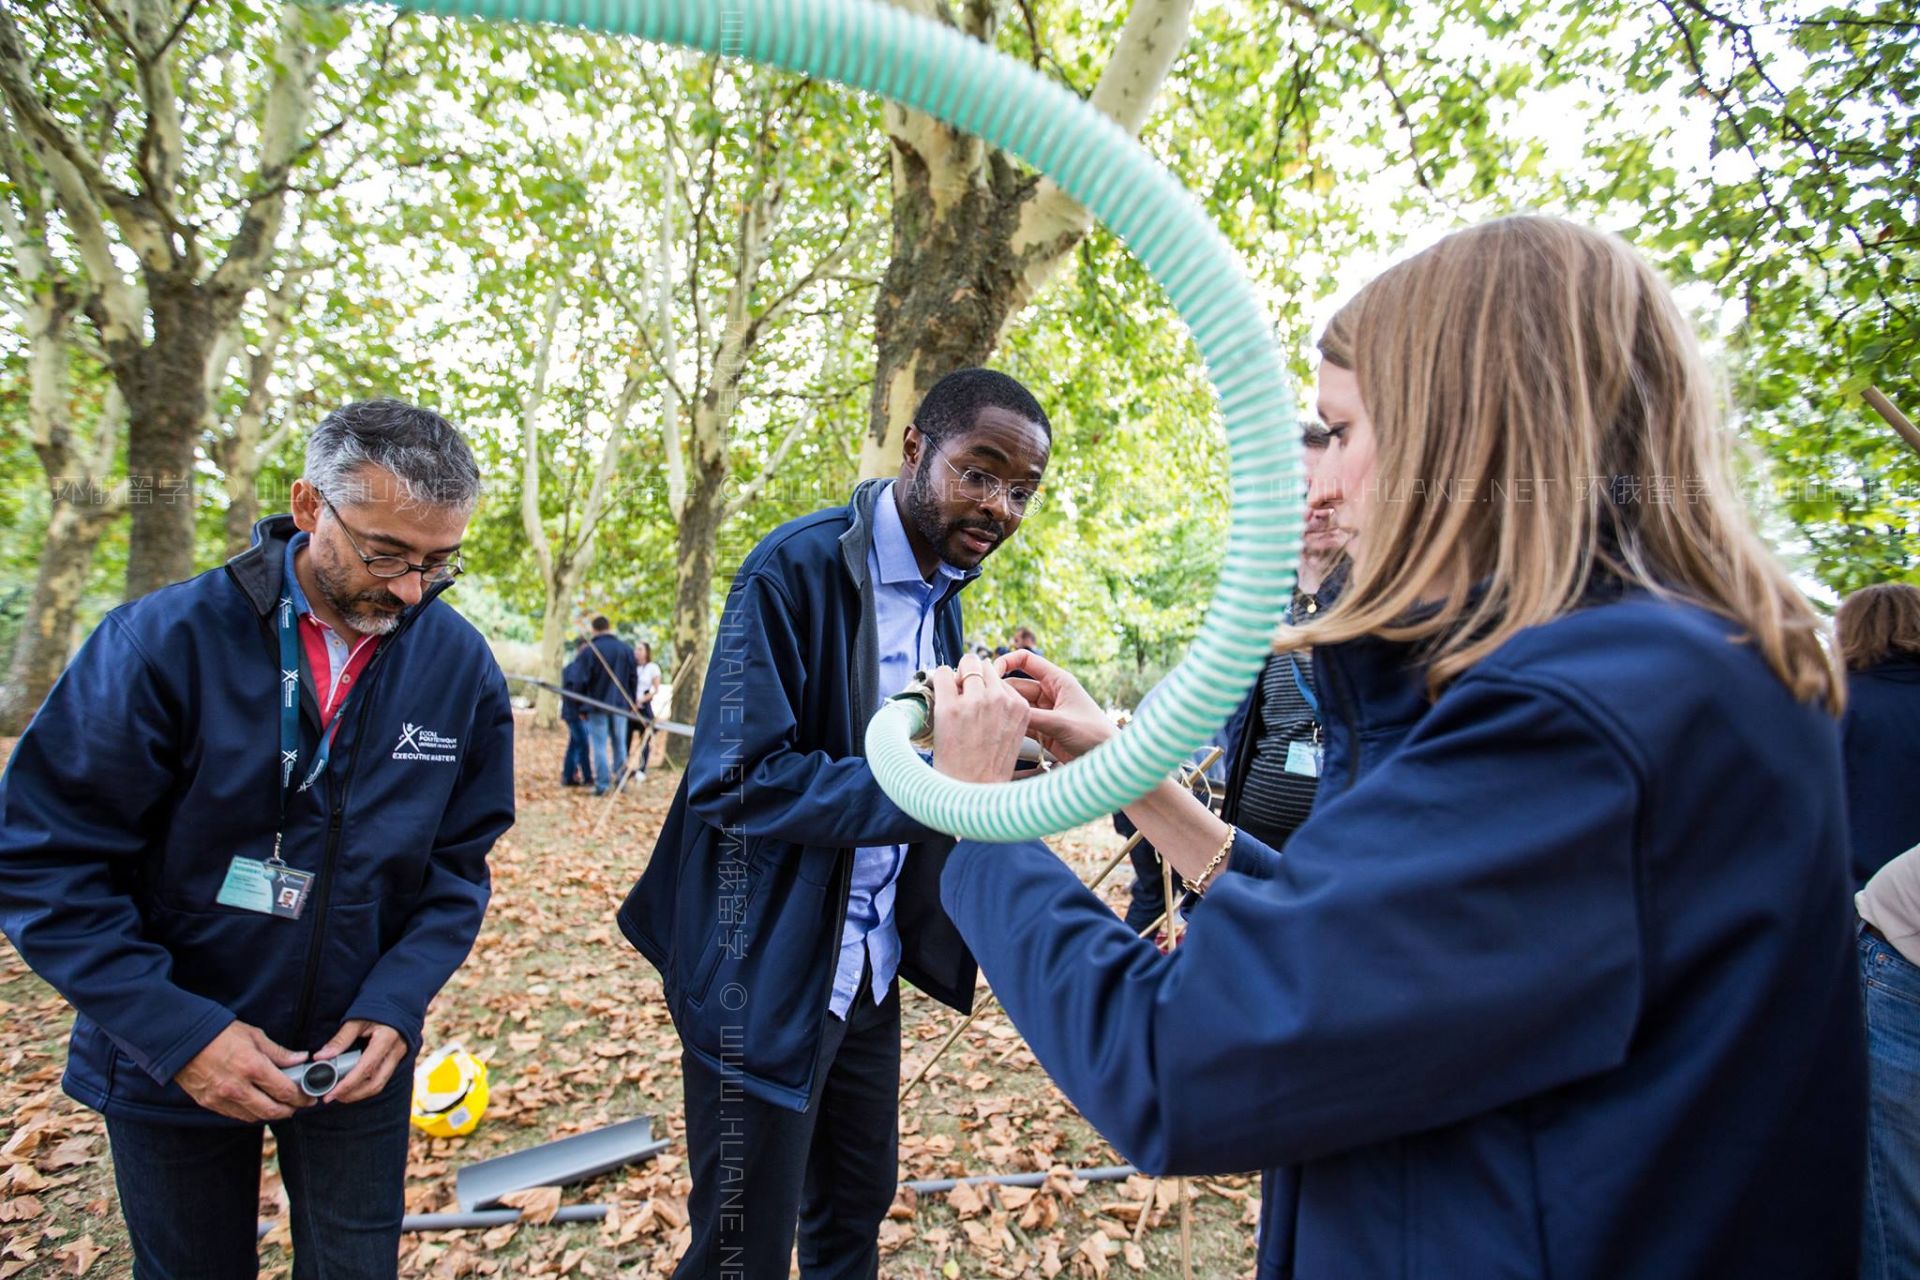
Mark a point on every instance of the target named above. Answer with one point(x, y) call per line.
point(1878, 631)
point(1557, 979)
point(576, 770)
point(646, 684)
point(1269, 769)
point(154, 828)
point(610, 675)
point(786, 892)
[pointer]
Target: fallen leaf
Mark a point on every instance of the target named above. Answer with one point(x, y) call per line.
point(966, 1201)
point(536, 1204)
point(68, 1154)
point(22, 1144)
point(80, 1255)
point(20, 1208)
point(1095, 1249)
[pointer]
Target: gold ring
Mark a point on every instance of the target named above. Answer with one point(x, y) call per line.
point(973, 675)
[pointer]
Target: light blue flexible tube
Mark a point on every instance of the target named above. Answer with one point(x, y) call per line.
point(931, 68)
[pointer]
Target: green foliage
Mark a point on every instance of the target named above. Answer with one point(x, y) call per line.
point(1762, 152)
point(1794, 136)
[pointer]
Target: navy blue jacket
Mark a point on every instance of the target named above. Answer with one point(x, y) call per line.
point(610, 676)
point(742, 905)
point(1880, 737)
point(155, 760)
point(1556, 981)
point(574, 678)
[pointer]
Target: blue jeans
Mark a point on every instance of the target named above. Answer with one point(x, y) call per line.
point(1890, 986)
point(578, 766)
point(190, 1194)
point(608, 735)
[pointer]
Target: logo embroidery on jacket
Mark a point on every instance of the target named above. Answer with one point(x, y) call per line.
point(417, 742)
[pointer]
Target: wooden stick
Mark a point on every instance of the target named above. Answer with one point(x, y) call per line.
point(1894, 418)
point(1186, 1232)
point(988, 1001)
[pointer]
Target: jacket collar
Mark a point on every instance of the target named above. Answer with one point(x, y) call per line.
point(857, 541)
point(258, 570)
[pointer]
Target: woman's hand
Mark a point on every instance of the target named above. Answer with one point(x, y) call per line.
point(1066, 720)
point(978, 722)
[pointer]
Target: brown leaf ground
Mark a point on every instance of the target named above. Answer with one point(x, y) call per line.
point(576, 1035)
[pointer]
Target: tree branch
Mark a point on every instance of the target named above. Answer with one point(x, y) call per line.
point(117, 301)
point(53, 144)
point(1382, 75)
point(179, 25)
point(1051, 221)
point(288, 100)
point(530, 519)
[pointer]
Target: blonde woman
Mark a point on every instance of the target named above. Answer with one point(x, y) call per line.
point(1558, 979)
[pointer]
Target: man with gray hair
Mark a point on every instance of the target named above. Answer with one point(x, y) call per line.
point(246, 837)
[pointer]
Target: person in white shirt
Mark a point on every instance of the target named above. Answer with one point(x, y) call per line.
point(646, 683)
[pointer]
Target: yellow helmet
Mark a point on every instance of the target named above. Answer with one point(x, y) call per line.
point(449, 1092)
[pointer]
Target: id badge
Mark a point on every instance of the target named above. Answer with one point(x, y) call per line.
point(1303, 758)
point(270, 888)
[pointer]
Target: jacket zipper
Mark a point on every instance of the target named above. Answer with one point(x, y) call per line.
point(323, 883)
point(1326, 661)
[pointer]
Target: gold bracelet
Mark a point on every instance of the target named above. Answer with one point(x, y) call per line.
point(1198, 888)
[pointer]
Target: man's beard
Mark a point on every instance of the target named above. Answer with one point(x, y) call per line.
point(923, 507)
point(370, 613)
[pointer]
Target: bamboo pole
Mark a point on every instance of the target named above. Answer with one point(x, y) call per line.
point(1894, 418)
point(988, 1001)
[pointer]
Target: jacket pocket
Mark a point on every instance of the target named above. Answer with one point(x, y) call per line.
point(235, 958)
point(736, 915)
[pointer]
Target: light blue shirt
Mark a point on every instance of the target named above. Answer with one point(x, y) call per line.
point(903, 609)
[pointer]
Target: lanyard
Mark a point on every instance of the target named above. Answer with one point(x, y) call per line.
point(1306, 690)
point(289, 629)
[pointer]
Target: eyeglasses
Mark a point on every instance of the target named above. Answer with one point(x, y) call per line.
point(398, 566)
point(984, 486)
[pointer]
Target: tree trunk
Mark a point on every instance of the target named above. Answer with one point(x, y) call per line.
point(697, 554)
point(556, 628)
point(46, 636)
point(949, 288)
point(975, 237)
point(81, 508)
point(165, 385)
point(243, 511)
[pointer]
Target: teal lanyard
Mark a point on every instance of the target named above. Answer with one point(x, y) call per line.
point(1306, 690)
point(290, 715)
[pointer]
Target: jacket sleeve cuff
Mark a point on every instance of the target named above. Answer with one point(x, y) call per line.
point(388, 1014)
point(1252, 859)
point(167, 1062)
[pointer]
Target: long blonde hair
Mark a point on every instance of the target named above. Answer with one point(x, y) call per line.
point(1543, 415)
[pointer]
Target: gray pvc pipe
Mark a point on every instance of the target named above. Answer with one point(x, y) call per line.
point(1105, 1173)
point(597, 1212)
point(484, 1218)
